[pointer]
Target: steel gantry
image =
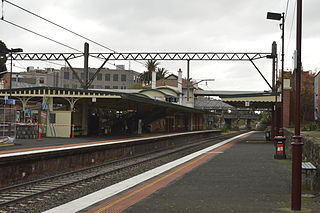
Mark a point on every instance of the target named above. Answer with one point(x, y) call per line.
point(143, 56)
point(171, 56)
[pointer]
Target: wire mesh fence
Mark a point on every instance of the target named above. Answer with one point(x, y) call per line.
point(8, 121)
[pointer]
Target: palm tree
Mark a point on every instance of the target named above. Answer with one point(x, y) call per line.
point(161, 73)
point(146, 77)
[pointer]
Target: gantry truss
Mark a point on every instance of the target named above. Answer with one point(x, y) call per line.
point(145, 56)
point(169, 56)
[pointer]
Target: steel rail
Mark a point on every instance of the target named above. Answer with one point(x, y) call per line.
point(18, 192)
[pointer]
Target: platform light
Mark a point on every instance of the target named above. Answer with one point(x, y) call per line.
point(274, 16)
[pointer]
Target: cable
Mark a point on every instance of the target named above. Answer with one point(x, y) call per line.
point(51, 22)
point(41, 35)
point(64, 28)
point(286, 10)
point(294, 15)
point(38, 34)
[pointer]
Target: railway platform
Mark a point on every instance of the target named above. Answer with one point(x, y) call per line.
point(239, 175)
point(48, 142)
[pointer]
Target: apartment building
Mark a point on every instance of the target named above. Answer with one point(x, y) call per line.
point(118, 78)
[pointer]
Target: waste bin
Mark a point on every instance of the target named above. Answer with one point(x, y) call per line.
point(280, 147)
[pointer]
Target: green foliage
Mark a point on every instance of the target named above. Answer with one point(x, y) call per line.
point(312, 126)
point(264, 120)
point(224, 128)
point(152, 65)
point(3, 57)
point(161, 73)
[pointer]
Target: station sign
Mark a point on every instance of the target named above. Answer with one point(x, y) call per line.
point(11, 102)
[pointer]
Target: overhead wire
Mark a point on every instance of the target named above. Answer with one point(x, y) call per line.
point(62, 27)
point(287, 6)
point(43, 36)
point(51, 22)
point(293, 18)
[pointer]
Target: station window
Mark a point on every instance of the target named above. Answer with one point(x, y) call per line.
point(107, 87)
point(41, 81)
point(99, 77)
point(107, 77)
point(123, 77)
point(99, 87)
point(66, 75)
point(91, 75)
point(115, 77)
point(115, 87)
point(171, 99)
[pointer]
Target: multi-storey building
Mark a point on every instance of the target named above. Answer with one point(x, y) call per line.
point(118, 78)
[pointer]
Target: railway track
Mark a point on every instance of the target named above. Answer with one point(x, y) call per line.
point(18, 196)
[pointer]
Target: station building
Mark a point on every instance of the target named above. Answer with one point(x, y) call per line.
point(165, 107)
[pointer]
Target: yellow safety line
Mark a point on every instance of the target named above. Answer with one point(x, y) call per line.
point(162, 178)
point(151, 184)
point(9, 144)
point(258, 141)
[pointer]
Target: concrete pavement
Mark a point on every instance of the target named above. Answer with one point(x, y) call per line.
point(244, 178)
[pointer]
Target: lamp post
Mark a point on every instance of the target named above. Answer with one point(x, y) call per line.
point(11, 51)
point(278, 17)
point(297, 143)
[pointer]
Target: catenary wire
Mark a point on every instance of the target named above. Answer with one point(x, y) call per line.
point(294, 15)
point(62, 27)
point(38, 34)
point(286, 9)
point(51, 22)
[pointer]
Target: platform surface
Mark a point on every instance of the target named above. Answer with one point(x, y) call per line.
point(242, 178)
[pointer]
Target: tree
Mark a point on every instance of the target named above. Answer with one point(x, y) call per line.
point(3, 57)
point(306, 95)
point(161, 73)
point(151, 65)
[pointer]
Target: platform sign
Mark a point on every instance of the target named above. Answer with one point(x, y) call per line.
point(11, 102)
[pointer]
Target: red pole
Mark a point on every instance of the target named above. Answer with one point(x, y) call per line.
point(72, 130)
point(297, 143)
point(39, 132)
point(282, 72)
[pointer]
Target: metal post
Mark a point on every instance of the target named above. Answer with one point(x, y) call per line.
point(86, 63)
point(10, 87)
point(282, 75)
point(188, 70)
point(274, 90)
point(297, 143)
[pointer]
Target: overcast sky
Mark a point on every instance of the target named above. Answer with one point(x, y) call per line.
point(168, 26)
